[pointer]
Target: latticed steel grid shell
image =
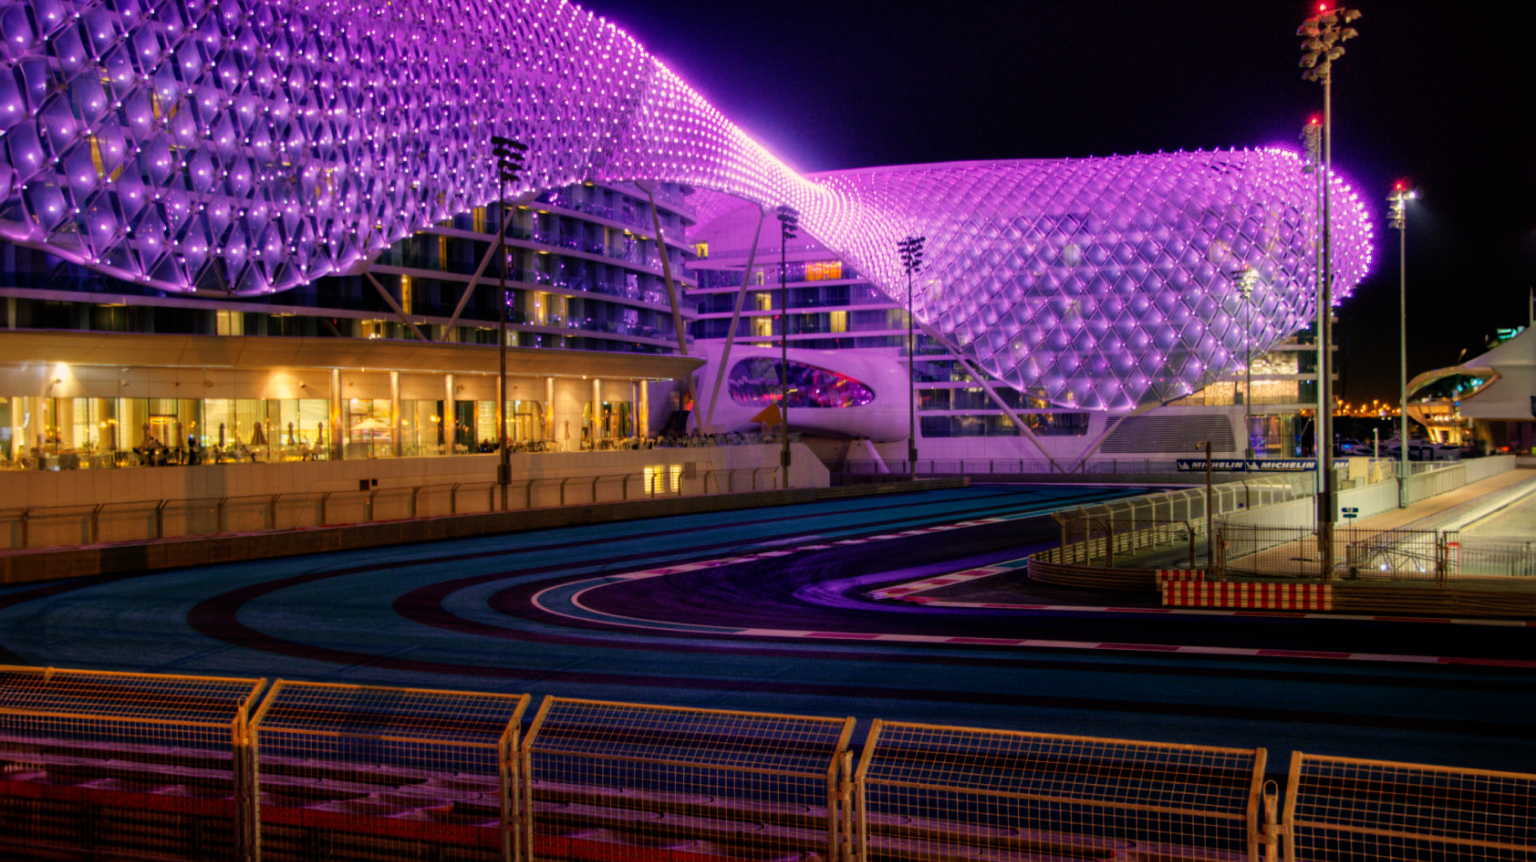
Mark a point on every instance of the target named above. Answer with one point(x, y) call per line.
point(1109, 282)
point(122, 763)
point(930, 793)
point(250, 146)
point(370, 771)
point(1345, 809)
point(619, 780)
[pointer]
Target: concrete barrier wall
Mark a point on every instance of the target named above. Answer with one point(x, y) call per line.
point(25, 489)
point(103, 559)
point(1374, 499)
point(1481, 468)
point(315, 494)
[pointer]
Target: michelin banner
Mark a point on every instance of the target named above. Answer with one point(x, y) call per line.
point(1256, 465)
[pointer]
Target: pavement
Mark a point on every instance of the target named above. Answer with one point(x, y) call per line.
point(1511, 494)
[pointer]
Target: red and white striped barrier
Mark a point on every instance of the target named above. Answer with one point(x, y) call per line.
point(1279, 597)
point(1180, 575)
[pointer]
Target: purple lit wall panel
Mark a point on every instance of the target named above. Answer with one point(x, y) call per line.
point(248, 147)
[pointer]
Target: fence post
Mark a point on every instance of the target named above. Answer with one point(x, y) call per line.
point(1271, 824)
point(371, 495)
point(247, 803)
point(272, 511)
point(25, 515)
point(453, 499)
point(562, 489)
point(414, 491)
point(96, 523)
point(324, 498)
point(160, 519)
point(1221, 552)
point(218, 515)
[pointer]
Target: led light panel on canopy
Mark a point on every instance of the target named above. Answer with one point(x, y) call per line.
point(249, 146)
point(1105, 283)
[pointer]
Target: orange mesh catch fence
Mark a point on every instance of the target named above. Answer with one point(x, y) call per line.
point(112, 765)
point(365, 773)
point(934, 794)
point(618, 782)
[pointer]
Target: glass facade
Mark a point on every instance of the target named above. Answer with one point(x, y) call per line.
point(584, 272)
point(756, 382)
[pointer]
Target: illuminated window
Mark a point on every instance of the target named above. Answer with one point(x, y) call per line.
point(701, 249)
point(663, 478)
point(763, 300)
point(405, 293)
point(755, 382)
point(230, 322)
point(839, 321)
point(370, 328)
point(823, 270)
point(442, 254)
point(479, 217)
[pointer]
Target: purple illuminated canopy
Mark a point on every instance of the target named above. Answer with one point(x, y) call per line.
point(249, 146)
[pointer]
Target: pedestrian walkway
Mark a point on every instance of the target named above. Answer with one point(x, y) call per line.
point(1289, 552)
point(1505, 499)
point(1442, 509)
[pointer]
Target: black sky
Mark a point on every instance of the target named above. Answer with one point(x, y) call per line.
point(1443, 94)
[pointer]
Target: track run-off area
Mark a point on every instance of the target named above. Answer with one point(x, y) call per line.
point(780, 609)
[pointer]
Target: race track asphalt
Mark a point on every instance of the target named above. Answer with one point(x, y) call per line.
point(768, 610)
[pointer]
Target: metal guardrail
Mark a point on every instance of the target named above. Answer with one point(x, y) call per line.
point(1400, 554)
point(186, 769)
point(1101, 533)
point(86, 524)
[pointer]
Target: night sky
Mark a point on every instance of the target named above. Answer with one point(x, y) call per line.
point(1437, 93)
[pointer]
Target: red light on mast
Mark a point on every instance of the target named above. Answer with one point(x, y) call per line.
point(1315, 120)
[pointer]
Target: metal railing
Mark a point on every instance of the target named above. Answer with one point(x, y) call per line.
point(1118, 529)
point(142, 520)
point(108, 765)
point(1363, 553)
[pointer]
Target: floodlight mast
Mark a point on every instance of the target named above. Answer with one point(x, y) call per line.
point(789, 226)
point(1323, 32)
point(1402, 193)
point(509, 162)
point(911, 250)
